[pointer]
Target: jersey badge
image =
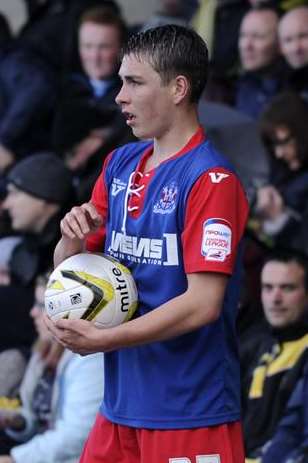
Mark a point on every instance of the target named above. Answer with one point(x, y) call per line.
point(167, 201)
point(117, 186)
point(217, 177)
point(216, 241)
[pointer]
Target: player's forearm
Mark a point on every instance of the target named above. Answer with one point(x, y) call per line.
point(178, 316)
point(67, 247)
point(172, 319)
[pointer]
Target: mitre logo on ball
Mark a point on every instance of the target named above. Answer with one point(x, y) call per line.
point(93, 287)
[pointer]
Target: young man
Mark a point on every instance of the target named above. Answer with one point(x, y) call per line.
point(174, 212)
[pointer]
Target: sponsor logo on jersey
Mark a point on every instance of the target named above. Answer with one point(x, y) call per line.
point(167, 201)
point(117, 186)
point(153, 251)
point(217, 177)
point(216, 241)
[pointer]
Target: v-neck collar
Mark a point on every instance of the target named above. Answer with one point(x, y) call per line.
point(198, 137)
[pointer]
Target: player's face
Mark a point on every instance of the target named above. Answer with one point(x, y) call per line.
point(258, 40)
point(26, 211)
point(293, 35)
point(99, 48)
point(284, 296)
point(146, 103)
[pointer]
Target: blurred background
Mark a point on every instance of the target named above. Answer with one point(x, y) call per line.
point(135, 11)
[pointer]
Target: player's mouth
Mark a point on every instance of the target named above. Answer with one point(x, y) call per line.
point(129, 117)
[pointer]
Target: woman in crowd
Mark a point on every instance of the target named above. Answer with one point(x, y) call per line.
point(282, 205)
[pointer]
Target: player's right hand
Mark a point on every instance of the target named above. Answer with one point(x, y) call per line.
point(80, 221)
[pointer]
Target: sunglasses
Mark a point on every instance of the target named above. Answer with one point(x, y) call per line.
point(282, 141)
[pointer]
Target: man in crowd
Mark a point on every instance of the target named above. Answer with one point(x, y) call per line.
point(88, 123)
point(39, 190)
point(259, 56)
point(274, 358)
point(293, 38)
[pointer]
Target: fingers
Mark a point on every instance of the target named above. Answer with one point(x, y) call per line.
point(67, 334)
point(51, 326)
point(58, 332)
point(94, 216)
point(80, 221)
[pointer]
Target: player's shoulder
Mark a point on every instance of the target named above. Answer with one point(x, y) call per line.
point(215, 169)
point(212, 158)
point(207, 162)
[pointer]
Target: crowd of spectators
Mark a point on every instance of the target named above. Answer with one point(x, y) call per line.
point(58, 122)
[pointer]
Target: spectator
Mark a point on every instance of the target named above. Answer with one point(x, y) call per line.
point(214, 21)
point(273, 357)
point(60, 396)
point(27, 98)
point(88, 123)
point(259, 56)
point(51, 29)
point(293, 37)
point(282, 205)
point(290, 441)
point(39, 189)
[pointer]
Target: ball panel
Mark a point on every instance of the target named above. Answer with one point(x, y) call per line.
point(94, 287)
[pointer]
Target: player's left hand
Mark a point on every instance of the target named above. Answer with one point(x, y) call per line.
point(79, 336)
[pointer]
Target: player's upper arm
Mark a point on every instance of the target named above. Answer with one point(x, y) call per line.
point(206, 291)
point(215, 220)
point(99, 198)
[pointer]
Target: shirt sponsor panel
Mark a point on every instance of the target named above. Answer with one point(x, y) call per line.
point(155, 251)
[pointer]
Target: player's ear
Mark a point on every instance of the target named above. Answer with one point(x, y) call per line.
point(180, 88)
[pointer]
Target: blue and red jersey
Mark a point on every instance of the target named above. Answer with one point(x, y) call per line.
point(184, 216)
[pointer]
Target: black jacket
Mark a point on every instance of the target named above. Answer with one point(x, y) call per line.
point(280, 357)
point(27, 98)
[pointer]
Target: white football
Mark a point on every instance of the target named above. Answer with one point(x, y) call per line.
point(92, 287)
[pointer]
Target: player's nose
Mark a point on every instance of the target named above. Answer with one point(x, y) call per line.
point(122, 96)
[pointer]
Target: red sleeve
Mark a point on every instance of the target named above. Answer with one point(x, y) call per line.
point(99, 198)
point(215, 220)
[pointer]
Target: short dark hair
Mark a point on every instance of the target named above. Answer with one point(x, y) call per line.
point(105, 16)
point(172, 50)
point(287, 256)
point(289, 110)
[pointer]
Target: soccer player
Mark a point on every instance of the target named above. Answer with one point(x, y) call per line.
point(171, 209)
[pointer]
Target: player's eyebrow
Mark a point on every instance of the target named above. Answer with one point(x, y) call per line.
point(129, 78)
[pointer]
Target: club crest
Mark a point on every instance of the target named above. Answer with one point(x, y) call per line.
point(167, 201)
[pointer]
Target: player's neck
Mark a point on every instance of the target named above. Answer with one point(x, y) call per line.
point(173, 140)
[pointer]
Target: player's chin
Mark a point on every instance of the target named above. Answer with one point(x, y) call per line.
point(142, 134)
